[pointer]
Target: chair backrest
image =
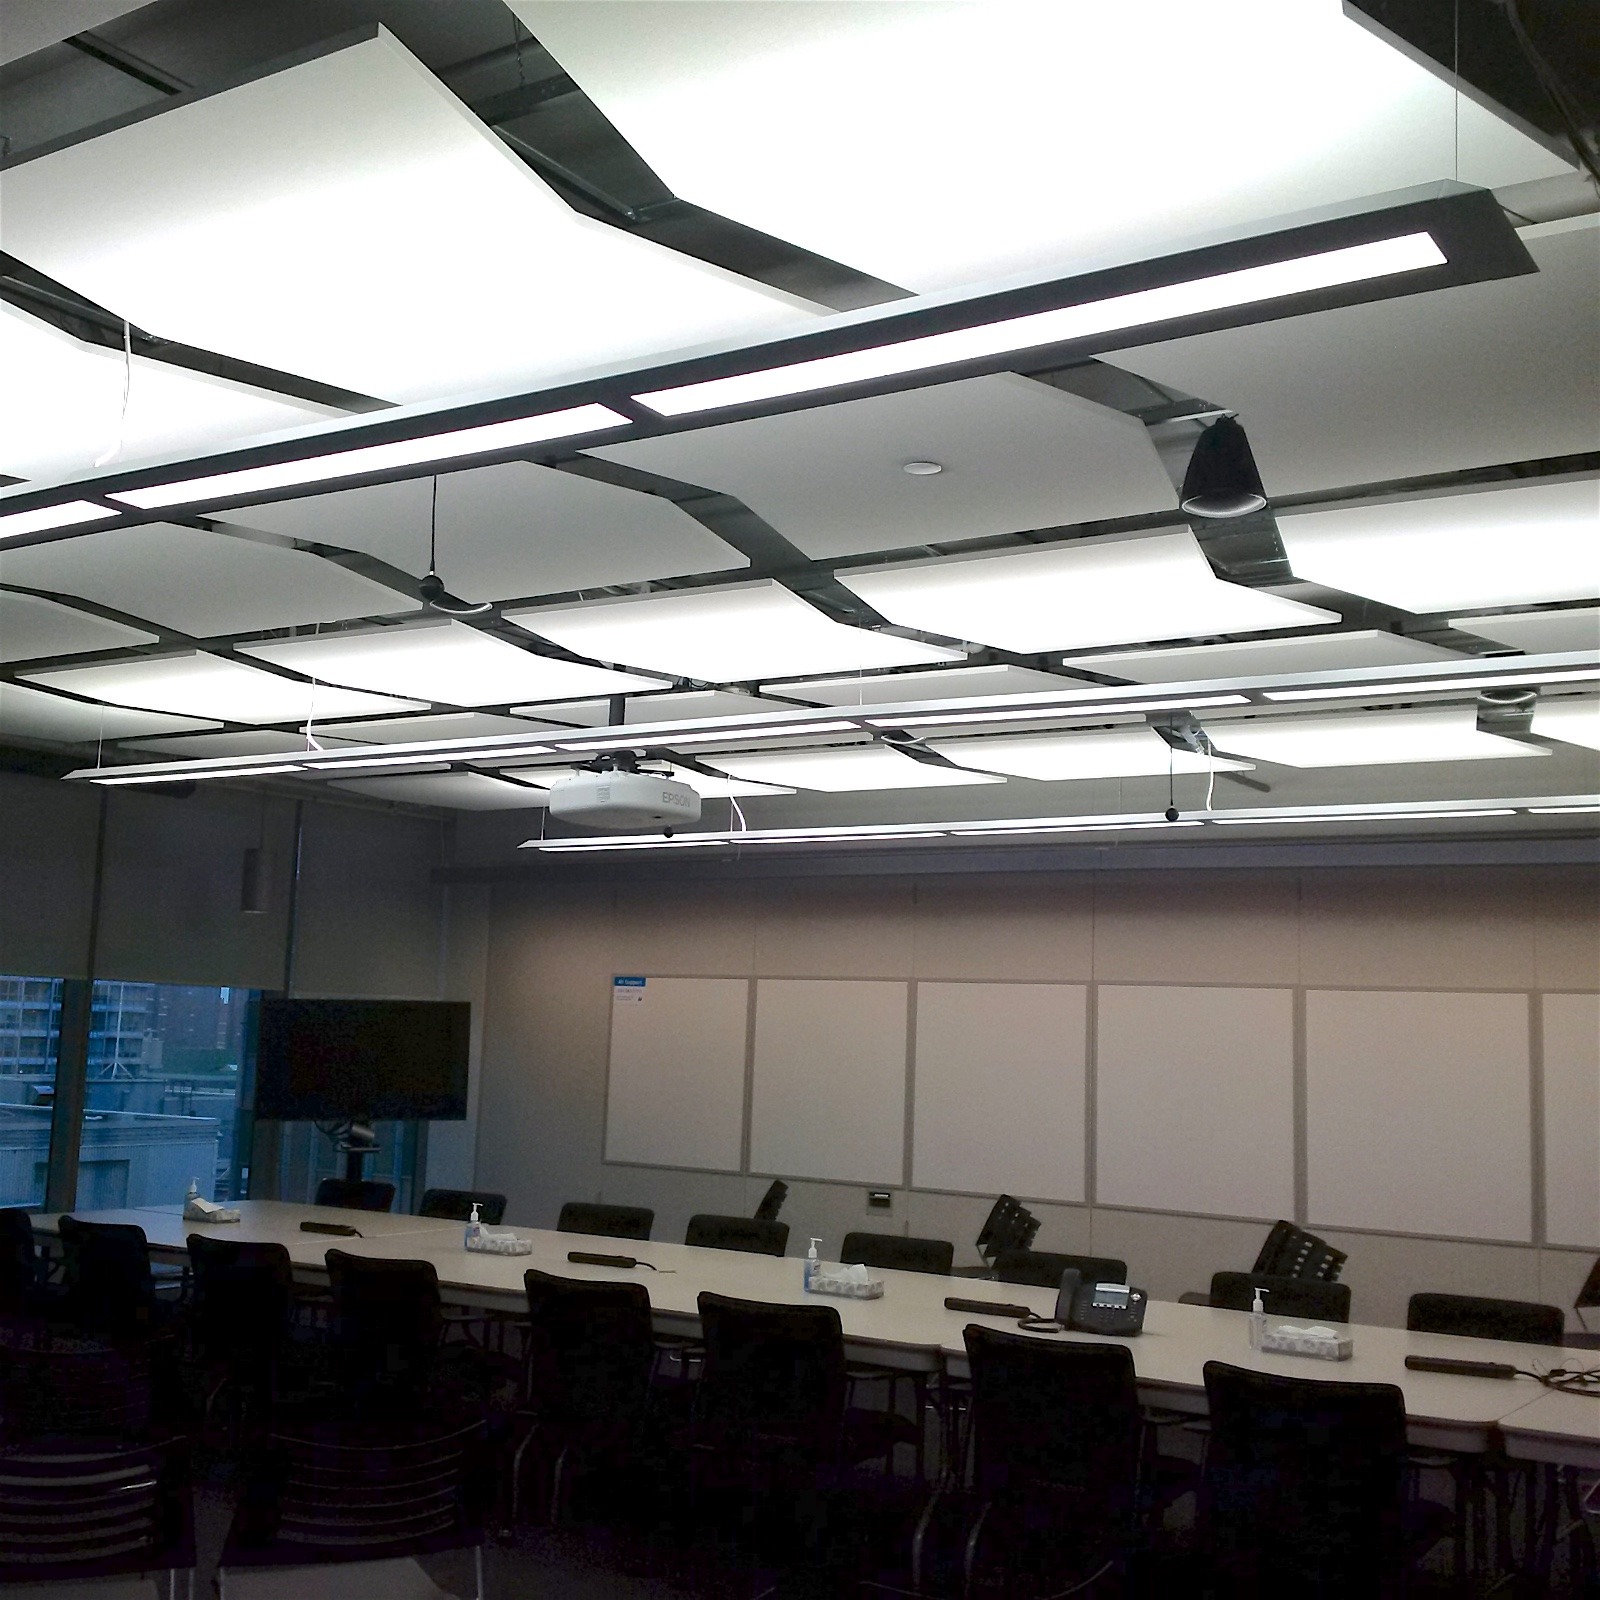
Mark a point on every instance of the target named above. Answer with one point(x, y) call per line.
point(388, 1320)
point(772, 1201)
point(759, 1238)
point(106, 1270)
point(1474, 1317)
point(1289, 1251)
point(774, 1376)
point(592, 1350)
point(1305, 1484)
point(605, 1222)
point(1043, 1268)
point(895, 1252)
point(355, 1194)
point(1283, 1297)
point(54, 1384)
point(1589, 1294)
point(243, 1297)
point(1055, 1420)
point(19, 1260)
point(455, 1205)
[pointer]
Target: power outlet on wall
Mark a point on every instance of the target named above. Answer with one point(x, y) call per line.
point(878, 1199)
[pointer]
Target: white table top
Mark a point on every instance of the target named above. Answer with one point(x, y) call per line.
point(1560, 1428)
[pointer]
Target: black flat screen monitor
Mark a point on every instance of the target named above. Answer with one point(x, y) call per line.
point(328, 1060)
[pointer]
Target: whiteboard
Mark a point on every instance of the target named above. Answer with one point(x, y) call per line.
point(828, 1091)
point(675, 1094)
point(1194, 1100)
point(999, 1089)
point(1418, 1113)
point(1572, 1119)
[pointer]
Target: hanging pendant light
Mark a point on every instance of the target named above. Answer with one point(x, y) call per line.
point(1222, 480)
point(430, 587)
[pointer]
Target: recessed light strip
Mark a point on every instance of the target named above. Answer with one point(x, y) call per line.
point(1059, 709)
point(1420, 685)
point(65, 514)
point(119, 775)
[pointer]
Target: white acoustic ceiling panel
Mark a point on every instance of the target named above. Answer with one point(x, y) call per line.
point(410, 730)
point(257, 742)
point(456, 791)
point(31, 628)
point(207, 686)
point(32, 714)
point(1120, 589)
point(900, 688)
point(947, 151)
point(1482, 373)
point(61, 405)
point(443, 661)
point(198, 582)
point(1016, 455)
point(1575, 721)
point(1502, 546)
point(508, 532)
point(1058, 757)
point(689, 704)
point(33, 24)
point(842, 771)
point(736, 635)
point(1315, 652)
point(1367, 739)
point(1538, 632)
point(349, 219)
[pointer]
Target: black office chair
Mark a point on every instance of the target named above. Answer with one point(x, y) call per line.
point(1283, 1297)
point(21, 1271)
point(591, 1353)
point(1043, 1268)
point(240, 1322)
point(712, 1232)
point(455, 1205)
point(108, 1286)
point(894, 1252)
point(1471, 1316)
point(605, 1222)
point(1305, 1488)
point(772, 1201)
point(356, 1194)
point(1055, 1441)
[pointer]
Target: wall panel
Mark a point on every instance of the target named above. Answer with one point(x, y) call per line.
point(1571, 1030)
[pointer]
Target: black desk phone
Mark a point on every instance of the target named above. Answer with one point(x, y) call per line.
point(1113, 1309)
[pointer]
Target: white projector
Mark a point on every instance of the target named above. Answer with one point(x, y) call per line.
point(624, 800)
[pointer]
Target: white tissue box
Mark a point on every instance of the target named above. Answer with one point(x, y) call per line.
point(848, 1284)
point(505, 1243)
point(208, 1211)
point(1322, 1344)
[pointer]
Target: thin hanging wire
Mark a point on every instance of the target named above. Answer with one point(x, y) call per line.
point(433, 529)
point(115, 448)
point(1456, 101)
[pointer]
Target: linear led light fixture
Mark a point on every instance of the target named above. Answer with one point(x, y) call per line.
point(1401, 244)
point(1378, 691)
point(1589, 808)
point(116, 775)
point(1364, 816)
point(642, 737)
point(1058, 710)
point(64, 514)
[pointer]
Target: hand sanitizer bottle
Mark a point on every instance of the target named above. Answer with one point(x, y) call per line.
point(474, 1227)
point(812, 1267)
point(1258, 1319)
point(193, 1193)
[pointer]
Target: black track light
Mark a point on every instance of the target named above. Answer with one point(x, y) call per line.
point(1222, 480)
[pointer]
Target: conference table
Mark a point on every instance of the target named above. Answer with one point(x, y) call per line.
point(910, 1327)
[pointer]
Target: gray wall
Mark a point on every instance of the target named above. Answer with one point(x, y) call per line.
point(552, 951)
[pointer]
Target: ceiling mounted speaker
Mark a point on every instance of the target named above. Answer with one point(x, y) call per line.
point(1222, 480)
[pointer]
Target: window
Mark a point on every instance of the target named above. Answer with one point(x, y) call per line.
point(30, 1034)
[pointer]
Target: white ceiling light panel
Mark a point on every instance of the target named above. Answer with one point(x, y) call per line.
point(749, 632)
point(338, 249)
point(455, 791)
point(1538, 633)
point(719, 98)
point(61, 405)
point(200, 685)
point(901, 688)
point(842, 771)
point(1502, 546)
point(1570, 721)
point(1087, 592)
point(1053, 758)
point(508, 532)
point(1015, 454)
point(1482, 373)
point(31, 628)
point(197, 582)
point(1315, 652)
point(1367, 739)
point(52, 718)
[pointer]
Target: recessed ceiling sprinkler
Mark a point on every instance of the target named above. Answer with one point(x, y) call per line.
point(430, 588)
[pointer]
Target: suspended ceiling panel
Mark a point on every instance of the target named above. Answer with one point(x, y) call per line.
point(448, 725)
point(934, 145)
point(1016, 454)
point(1116, 590)
point(458, 791)
point(840, 771)
point(508, 532)
point(31, 628)
point(51, 718)
point(576, 713)
point(1367, 739)
point(1501, 546)
point(1119, 753)
point(200, 685)
point(739, 634)
point(32, 24)
point(197, 582)
point(259, 742)
point(693, 703)
point(350, 220)
point(61, 404)
point(1574, 721)
point(442, 661)
point(1538, 632)
point(1315, 652)
point(1480, 374)
point(897, 688)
